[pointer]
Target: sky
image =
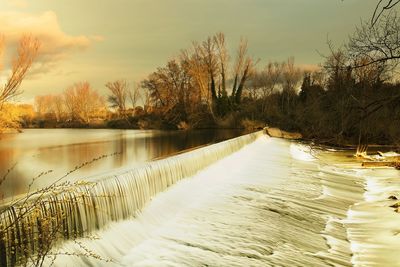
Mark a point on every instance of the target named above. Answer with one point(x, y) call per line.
point(104, 40)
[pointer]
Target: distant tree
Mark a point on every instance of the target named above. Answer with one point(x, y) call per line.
point(26, 114)
point(194, 64)
point(291, 77)
point(311, 89)
point(59, 107)
point(83, 103)
point(171, 91)
point(50, 107)
point(119, 94)
point(337, 67)
point(264, 82)
point(40, 105)
point(134, 96)
point(272, 77)
point(370, 74)
point(340, 83)
point(208, 63)
point(242, 70)
point(310, 107)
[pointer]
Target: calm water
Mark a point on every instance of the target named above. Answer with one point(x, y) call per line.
point(60, 150)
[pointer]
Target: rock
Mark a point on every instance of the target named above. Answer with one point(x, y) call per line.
point(392, 197)
point(276, 132)
point(183, 125)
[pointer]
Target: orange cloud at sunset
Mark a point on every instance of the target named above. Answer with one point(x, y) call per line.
point(55, 43)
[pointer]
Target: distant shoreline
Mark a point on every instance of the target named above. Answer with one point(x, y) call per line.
point(279, 133)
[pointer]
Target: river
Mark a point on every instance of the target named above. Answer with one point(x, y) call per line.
point(248, 201)
point(35, 151)
point(273, 203)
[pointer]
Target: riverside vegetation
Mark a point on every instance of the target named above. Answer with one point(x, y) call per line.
point(351, 98)
point(31, 225)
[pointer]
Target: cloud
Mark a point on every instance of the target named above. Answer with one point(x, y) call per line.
point(55, 43)
point(97, 38)
point(17, 3)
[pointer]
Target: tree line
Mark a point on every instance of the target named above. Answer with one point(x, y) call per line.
point(352, 97)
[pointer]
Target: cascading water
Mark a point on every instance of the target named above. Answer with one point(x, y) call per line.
point(270, 204)
point(81, 209)
point(267, 202)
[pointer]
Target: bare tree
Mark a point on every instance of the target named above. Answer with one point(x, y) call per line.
point(381, 7)
point(26, 54)
point(134, 95)
point(195, 66)
point(369, 74)
point(264, 82)
point(118, 96)
point(82, 102)
point(40, 105)
point(209, 56)
point(272, 77)
point(171, 88)
point(242, 70)
point(209, 62)
point(59, 107)
point(291, 77)
point(223, 56)
point(378, 44)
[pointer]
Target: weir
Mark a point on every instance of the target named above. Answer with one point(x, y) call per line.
point(272, 203)
point(266, 202)
point(69, 211)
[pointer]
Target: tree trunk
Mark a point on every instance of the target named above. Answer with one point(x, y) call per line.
point(239, 91)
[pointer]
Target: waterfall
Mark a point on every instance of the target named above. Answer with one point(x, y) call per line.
point(70, 211)
point(270, 204)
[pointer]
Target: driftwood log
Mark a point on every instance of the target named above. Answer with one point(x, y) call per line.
point(373, 164)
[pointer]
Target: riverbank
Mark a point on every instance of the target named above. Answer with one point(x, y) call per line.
point(147, 122)
point(375, 160)
point(152, 122)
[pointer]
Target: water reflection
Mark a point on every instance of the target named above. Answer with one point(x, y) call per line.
point(61, 150)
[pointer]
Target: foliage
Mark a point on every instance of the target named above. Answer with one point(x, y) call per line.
point(83, 103)
point(200, 78)
point(79, 103)
point(351, 98)
point(9, 117)
point(26, 54)
point(21, 63)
